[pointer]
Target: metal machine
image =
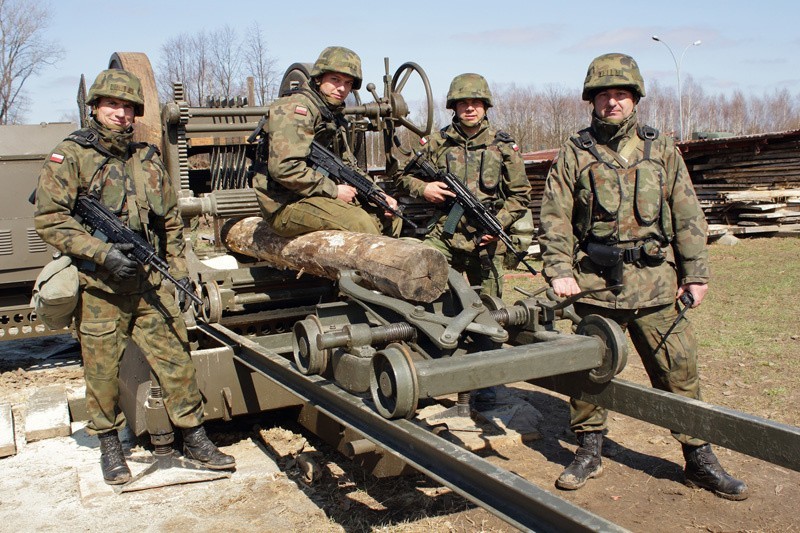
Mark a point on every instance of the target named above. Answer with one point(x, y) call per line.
point(360, 363)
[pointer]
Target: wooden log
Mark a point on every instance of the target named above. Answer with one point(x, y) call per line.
point(399, 268)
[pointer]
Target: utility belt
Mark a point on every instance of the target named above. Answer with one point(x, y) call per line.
point(610, 260)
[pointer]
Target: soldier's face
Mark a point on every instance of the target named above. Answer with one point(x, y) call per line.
point(614, 105)
point(470, 111)
point(114, 114)
point(335, 86)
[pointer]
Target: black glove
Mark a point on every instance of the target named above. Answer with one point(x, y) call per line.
point(184, 302)
point(118, 263)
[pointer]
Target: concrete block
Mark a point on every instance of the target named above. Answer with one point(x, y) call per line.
point(48, 414)
point(8, 445)
point(76, 399)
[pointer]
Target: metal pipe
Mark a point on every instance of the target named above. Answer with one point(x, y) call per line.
point(446, 375)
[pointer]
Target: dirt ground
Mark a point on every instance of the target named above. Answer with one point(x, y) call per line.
point(55, 484)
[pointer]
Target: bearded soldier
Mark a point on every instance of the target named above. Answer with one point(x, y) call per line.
point(619, 208)
point(295, 198)
point(120, 299)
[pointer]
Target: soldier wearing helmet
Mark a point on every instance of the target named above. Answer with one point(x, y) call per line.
point(619, 211)
point(489, 163)
point(120, 299)
point(295, 198)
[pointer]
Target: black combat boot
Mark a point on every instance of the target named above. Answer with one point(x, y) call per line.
point(704, 471)
point(112, 460)
point(197, 446)
point(587, 463)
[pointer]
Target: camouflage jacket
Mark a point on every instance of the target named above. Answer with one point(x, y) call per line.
point(625, 200)
point(294, 121)
point(73, 169)
point(490, 164)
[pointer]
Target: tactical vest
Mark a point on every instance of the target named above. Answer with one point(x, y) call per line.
point(616, 204)
point(491, 164)
point(136, 192)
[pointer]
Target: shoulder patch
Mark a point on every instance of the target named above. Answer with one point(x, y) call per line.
point(515, 147)
point(300, 110)
point(423, 141)
point(56, 158)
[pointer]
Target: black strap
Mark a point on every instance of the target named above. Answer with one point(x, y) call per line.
point(585, 141)
point(89, 139)
point(648, 134)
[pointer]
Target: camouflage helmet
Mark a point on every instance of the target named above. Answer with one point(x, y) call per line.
point(612, 70)
point(339, 59)
point(468, 86)
point(117, 83)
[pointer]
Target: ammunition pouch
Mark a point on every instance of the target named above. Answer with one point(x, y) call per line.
point(522, 232)
point(609, 260)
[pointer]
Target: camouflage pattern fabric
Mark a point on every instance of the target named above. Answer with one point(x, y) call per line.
point(339, 59)
point(607, 202)
point(494, 172)
point(106, 322)
point(117, 83)
point(111, 310)
point(294, 197)
point(672, 369)
point(612, 70)
point(468, 85)
point(73, 169)
point(625, 201)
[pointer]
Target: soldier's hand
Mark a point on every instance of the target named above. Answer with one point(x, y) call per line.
point(392, 203)
point(697, 290)
point(346, 193)
point(565, 286)
point(184, 302)
point(437, 192)
point(119, 264)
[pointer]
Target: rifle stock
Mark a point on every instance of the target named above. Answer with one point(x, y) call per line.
point(106, 226)
point(466, 204)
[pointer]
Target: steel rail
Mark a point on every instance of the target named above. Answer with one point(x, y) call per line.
point(502, 493)
point(749, 434)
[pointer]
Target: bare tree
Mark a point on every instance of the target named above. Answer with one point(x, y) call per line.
point(24, 52)
point(226, 66)
point(186, 59)
point(260, 66)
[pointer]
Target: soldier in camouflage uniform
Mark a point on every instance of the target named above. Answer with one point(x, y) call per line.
point(294, 198)
point(619, 207)
point(119, 299)
point(490, 164)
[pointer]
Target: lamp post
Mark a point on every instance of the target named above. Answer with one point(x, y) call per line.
point(678, 70)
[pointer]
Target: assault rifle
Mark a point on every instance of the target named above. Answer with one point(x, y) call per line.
point(465, 203)
point(324, 160)
point(106, 226)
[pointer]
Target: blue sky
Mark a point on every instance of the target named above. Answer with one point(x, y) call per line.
point(750, 46)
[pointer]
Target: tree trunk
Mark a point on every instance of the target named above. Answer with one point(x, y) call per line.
point(398, 268)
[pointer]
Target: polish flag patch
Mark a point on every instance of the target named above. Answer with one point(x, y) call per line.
point(56, 158)
point(515, 147)
point(423, 141)
point(300, 110)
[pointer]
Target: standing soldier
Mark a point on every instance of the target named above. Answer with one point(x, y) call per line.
point(489, 163)
point(119, 299)
point(294, 198)
point(619, 207)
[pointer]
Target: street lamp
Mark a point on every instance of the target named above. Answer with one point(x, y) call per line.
point(678, 70)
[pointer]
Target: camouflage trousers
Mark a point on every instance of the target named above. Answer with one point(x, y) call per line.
point(486, 272)
point(105, 324)
point(318, 213)
point(672, 369)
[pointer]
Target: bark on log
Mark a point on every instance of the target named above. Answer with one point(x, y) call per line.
point(398, 268)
